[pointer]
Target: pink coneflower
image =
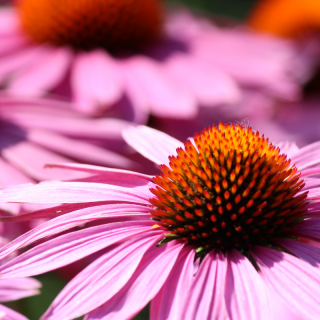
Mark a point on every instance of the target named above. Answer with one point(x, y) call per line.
point(229, 222)
point(104, 53)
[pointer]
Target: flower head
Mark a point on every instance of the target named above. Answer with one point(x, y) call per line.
point(232, 233)
point(191, 63)
point(87, 25)
point(286, 18)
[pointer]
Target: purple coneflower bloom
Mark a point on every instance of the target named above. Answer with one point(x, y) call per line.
point(230, 218)
point(164, 64)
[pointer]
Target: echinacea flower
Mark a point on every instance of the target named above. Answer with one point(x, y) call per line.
point(230, 218)
point(286, 18)
point(103, 53)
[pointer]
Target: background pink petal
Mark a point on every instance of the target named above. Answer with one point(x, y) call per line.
point(167, 98)
point(9, 314)
point(96, 81)
point(31, 81)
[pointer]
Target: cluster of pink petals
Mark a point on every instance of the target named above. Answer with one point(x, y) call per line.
point(38, 131)
point(112, 206)
point(196, 64)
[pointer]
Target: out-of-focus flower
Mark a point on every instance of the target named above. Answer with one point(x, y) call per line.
point(286, 18)
point(37, 131)
point(72, 49)
point(227, 214)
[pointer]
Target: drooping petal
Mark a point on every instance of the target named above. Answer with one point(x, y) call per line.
point(245, 293)
point(303, 251)
point(167, 304)
point(151, 273)
point(166, 97)
point(95, 80)
point(17, 288)
point(30, 81)
point(73, 192)
point(117, 177)
point(309, 229)
point(152, 144)
point(101, 280)
point(71, 247)
point(205, 300)
point(77, 149)
point(31, 158)
point(209, 85)
point(296, 282)
point(71, 220)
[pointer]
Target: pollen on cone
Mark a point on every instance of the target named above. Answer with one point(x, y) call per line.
point(244, 189)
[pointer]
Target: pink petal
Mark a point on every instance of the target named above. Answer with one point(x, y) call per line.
point(205, 299)
point(10, 175)
point(295, 281)
point(303, 251)
point(209, 85)
point(30, 159)
point(9, 314)
point(123, 178)
point(65, 249)
point(136, 96)
point(307, 156)
point(152, 144)
point(21, 59)
point(309, 229)
point(71, 220)
point(39, 78)
point(245, 292)
point(101, 280)
point(95, 80)
point(144, 284)
point(14, 289)
point(288, 147)
point(167, 304)
point(166, 97)
point(9, 21)
point(77, 149)
point(57, 116)
point(73, 192)
point(12, 43)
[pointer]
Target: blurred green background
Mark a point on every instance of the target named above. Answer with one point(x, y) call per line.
point(233, 8)
point(35, 306)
